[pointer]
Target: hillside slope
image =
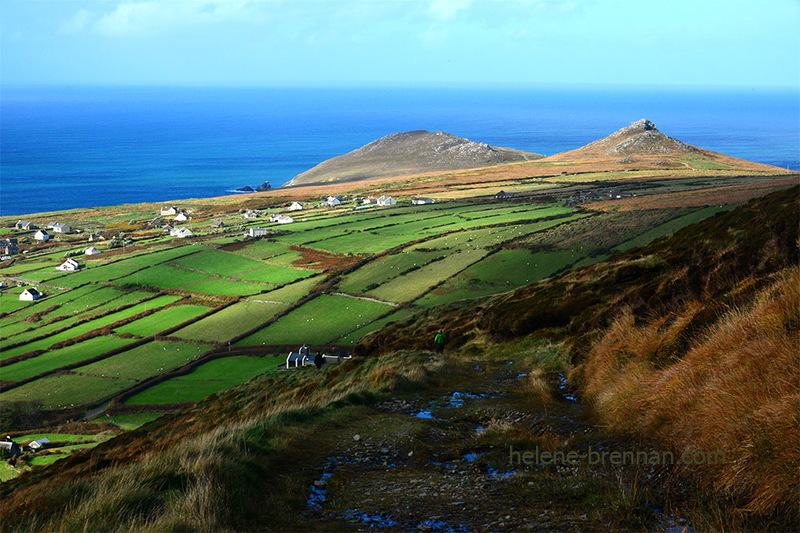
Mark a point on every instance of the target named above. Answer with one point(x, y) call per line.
point(690, 341)
point(407, 153)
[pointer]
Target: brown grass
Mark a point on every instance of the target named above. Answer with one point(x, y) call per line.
point(736, 390)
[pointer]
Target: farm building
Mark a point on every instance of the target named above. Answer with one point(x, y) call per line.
point(25, 225)
point(58, 227)
point(167, 227)
point(181, 233)
point(217, 223)
point(38, 443)
point(369, 200)
point(9, 247)
point(3, 284)
point(386, 200)
point(96, 237)
point(169, 211)
point(156, 222)
point(422, 201)
point(91, 251)
point(70, 265)
point(503, 195)
point(296, 206)
point(256, 232)
point(41, 235)
point(250, 214)
point(11, 446)
point(30, 294)
point(333, 200)
point(181, 217)
point(281, 219)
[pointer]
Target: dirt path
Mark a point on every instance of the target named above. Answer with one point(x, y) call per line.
point(444, 460)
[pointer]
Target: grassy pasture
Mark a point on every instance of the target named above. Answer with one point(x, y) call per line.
point(214, 376)
point(386, 268)
point(144, 361)
point(354, 336)
point(108, 272)
point(67, 355)
point(262, 249)
point(65, 390)
point(500, 272)
point(410, 286)
point(363, 243)
point(229, 322)
point(161, 320)
point(671, 226)
point(131, 420)
point(88, 326)
point(166, 276)
point(58, 299)
point(275, 275)
point(25, 266)
point(321, 320)
point(290, 293)
point(161, 256)
point(9, 301)
point(225, 287)
point(218, 263)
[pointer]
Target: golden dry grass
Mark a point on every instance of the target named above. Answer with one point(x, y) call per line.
point(736, 391)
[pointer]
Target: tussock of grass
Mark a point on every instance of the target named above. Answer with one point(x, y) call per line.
point(736, 390)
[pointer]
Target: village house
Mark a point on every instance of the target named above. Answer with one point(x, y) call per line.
point(181, 217)
point(369, 200)
point(156, 222)
point(3, 284)
point(8, 247)
point(167, 228)
point(70, 265)
point(24, 225)
point(11, 446)
point(30, 294)
point(281, 219)
point(386, 201)
point(58, 227)
point(181, 233)
point(38, 443)
point(96, 237)
point(41, 235)
point(217, 223)
point(250, 214)
point(503, 195)
point(256, 232)
point(169, 211)
point(92, 251)
point(333, 201)
point(296, 206)
point(422, 201)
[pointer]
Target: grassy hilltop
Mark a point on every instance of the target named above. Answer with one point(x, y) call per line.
point(624, 275)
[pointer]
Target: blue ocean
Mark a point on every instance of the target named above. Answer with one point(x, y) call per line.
point(69, 147)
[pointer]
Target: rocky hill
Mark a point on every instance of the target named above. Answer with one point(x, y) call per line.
point(408, 153)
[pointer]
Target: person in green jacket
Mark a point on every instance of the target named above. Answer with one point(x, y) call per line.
point(440, 339)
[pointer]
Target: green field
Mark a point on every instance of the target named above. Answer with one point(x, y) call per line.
point(323, 319)
point(229, 322)
point(161, 320)
point(226, 287)
point(275, 275)
point(353, 337)
point(66, 390)
point(144, 361)
point(165, 276)
point(218, 263)
point(67, 355)
point(290, 293)
point(215, 376)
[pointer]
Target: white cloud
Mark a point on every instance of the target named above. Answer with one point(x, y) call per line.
point(76, 24)
point(152, 16)
point(447, 9)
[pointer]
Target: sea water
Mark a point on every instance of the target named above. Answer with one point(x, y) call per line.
point(68, 147)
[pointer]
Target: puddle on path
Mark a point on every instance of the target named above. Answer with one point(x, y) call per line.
point(563, 387)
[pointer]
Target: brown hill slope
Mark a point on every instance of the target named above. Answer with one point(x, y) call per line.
point(406, 153)
point(643, 146)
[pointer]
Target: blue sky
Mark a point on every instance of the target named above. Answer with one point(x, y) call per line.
point(432, 43)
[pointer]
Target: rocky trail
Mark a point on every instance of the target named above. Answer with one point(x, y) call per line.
point(468, 455)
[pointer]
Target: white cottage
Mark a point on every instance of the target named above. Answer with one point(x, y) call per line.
point(181, 217)
point(41, 235)
point(333, 200)
point(58, 227)
point(296, 206)
point(91, 251)
point(256, 232)
point(70, 265)
point(181, 233)
point(386, 201)
point(422, 201)
point(30, 294)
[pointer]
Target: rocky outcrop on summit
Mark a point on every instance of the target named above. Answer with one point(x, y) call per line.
point(409, 153)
